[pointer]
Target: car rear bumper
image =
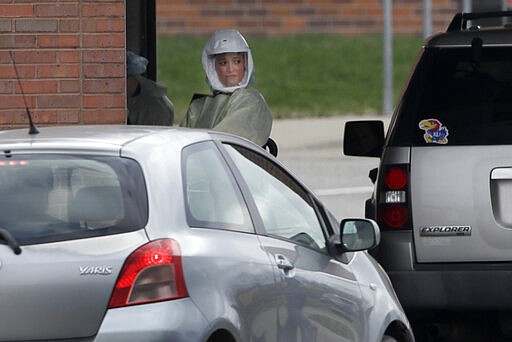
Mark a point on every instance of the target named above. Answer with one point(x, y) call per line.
point(177, 320)
point(454, 289)
point(442, 286)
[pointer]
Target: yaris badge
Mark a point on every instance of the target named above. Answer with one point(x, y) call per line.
point(95, 270)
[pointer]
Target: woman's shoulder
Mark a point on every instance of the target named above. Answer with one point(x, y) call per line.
point(248, 92)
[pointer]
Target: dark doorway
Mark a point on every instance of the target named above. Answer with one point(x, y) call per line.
point(141, 32)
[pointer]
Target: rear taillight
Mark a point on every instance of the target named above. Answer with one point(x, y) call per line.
point(152, 273)
point(395, 178)
point(393, 204)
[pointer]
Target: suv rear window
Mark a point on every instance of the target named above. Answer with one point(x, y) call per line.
point(54, 197)
point(458, 96)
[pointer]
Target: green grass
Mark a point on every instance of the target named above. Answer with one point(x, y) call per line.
point(299, 76)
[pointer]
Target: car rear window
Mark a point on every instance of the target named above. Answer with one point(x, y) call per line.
point(54, 197)
point(458, 96)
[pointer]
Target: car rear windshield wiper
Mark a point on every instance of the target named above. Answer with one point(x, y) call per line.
point(11, 241)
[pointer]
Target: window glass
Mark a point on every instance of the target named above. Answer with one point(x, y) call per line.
point(458, 96)
point(213, 199)
point(51, 198)
point(285, 208)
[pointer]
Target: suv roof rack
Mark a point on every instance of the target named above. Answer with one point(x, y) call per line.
point(460, 20)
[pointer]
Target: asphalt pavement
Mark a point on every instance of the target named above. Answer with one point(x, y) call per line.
point(312, 149)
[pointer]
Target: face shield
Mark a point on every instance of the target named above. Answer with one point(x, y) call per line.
point(226, 41)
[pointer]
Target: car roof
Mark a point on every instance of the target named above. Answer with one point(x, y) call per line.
point(464, 27)
point(490, 37)
point(106, 138)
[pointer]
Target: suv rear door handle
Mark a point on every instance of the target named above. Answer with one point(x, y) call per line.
point(283, 263)
point(502, 173)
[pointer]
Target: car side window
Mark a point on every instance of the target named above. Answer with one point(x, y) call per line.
point(285, 207)
point(212, 197)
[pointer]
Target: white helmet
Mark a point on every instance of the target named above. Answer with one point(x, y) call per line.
point(224, 41)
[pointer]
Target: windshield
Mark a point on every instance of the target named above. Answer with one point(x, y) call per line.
point(53, 198)
point(458, 96)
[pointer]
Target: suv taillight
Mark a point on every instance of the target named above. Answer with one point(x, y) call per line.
point(393, 205)
point(151, 273)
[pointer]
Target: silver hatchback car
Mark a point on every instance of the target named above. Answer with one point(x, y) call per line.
point(133, 233)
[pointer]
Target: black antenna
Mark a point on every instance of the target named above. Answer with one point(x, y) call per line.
point(33, 129)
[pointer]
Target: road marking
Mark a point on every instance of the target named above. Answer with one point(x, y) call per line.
point(344, 191)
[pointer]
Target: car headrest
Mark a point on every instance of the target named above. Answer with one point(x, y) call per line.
point(97, 203)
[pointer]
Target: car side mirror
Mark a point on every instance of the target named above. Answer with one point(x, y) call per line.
point(358, 234)
point(363, 138)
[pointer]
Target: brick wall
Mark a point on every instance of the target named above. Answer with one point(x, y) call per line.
point(70, 59)
point(70, 54)
point(277, 17)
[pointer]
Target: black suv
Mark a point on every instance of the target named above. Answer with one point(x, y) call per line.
point(443, 189)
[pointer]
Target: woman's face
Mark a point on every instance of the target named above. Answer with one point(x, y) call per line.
point(230, 68)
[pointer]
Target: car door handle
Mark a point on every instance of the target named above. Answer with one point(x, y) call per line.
point(502, 173)
point(283, 263)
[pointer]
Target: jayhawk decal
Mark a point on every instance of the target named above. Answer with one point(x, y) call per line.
point(435, 132)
